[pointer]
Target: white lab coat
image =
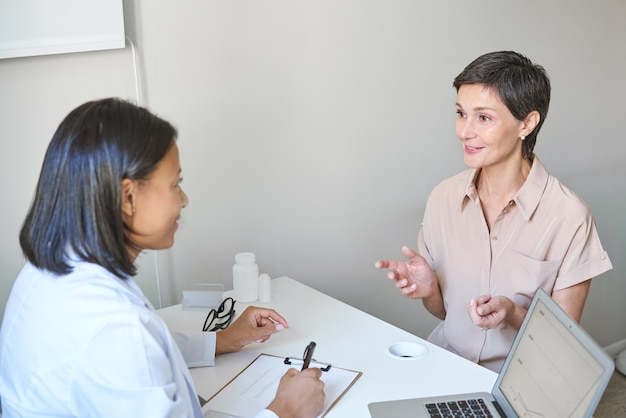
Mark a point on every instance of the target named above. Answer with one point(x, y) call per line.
point(90, 344)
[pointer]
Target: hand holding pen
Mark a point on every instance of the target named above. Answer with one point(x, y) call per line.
point(300, 393)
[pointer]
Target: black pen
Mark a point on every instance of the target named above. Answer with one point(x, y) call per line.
point(308, 355)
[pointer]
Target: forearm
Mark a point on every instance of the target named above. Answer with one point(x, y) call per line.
point(572, 299)
point(434, 302)
point(516, 316)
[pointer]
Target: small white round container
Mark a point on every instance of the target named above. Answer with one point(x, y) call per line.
point(265, 288)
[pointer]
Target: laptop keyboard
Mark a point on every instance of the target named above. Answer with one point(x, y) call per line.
point(457, 409)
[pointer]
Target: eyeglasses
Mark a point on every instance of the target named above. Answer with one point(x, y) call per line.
point(220, 318)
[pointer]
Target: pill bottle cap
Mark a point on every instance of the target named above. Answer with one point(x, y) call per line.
point(245, 258)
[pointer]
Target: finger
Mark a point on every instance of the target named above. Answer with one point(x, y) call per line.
point(274, 319)
point(262, 334)
point(471, 310)
point(314, 371)
point(408, 252)
point(291, 372)
point(481, 300)
point(401, 283)
point(269, 322)
point(387, 264)
point(263, 316)
point(407, 290)
point(487, 308)
point(270, 329)
point(274, 316)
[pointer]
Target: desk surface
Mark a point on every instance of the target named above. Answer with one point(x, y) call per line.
point(347, 338)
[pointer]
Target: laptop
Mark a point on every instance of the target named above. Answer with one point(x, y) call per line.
point(554, 369)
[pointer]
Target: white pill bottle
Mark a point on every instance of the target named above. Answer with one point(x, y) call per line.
point(245, 278)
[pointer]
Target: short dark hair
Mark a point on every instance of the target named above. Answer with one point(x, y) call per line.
point(77, 207)
point(522, 86)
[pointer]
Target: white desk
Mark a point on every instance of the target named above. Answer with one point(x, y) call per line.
point(347, 338)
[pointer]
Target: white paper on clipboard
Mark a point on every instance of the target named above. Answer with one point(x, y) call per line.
point(254, 388)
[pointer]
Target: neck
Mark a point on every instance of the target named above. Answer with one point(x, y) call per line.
point(133, 253)
point(502, 183)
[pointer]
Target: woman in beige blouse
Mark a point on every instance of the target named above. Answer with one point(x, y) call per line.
point(504, 227)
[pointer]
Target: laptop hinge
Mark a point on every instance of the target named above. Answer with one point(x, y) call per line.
point(500, 411)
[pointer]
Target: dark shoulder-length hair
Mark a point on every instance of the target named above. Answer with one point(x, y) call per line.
point(522, 86)
point(77, 207)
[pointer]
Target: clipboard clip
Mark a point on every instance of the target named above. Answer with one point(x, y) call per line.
point(314, 363)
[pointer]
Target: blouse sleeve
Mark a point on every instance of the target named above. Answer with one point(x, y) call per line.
point(585, 257)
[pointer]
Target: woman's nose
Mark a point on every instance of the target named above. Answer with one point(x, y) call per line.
point(464, 128)
point(184, 200)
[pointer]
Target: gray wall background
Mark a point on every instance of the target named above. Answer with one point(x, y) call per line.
point(311, 132)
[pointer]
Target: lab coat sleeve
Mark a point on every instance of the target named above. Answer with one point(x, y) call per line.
point(266, 413)
point(126, 367)
point(198, 348)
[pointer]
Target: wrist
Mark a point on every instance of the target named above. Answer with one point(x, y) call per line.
point(223, 343)
point(516, 316)
point(434, 291)
point(280, 409)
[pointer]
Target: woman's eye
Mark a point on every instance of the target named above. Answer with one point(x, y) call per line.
point(460, 113)
point(180, 180)
point(484, 118)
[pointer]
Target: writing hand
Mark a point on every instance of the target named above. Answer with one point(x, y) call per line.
point(299, 394)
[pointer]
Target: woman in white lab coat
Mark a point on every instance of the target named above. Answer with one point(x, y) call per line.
point(78, 337)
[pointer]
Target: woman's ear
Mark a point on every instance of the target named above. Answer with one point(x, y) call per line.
point(530, 123)
point(128, 197)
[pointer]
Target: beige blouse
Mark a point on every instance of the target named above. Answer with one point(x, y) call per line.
point(545, 237)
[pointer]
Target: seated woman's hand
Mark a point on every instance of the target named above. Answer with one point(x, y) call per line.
point(489, 312)
point(254, 325)
point(413, 277)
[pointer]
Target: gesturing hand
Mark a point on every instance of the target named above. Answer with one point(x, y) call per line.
point(488, 312)
point(414, 277)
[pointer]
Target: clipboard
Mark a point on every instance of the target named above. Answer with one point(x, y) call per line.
point(255, 386)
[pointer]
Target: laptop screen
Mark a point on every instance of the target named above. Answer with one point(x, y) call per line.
point(555, 369)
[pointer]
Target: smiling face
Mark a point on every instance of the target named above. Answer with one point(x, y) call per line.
point(489, 132)
point(152, 207)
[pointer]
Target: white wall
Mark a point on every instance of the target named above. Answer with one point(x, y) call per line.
point(311, 132)
point(36, 93)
